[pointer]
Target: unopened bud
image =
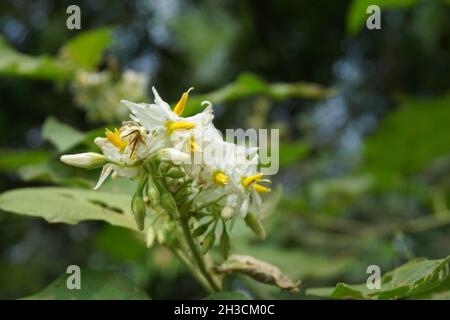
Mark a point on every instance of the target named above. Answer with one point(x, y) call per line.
point(166, 200)
point(208, 241)
point(255, 224)
point(170, 154)
point(175, 173)
point(183, 193)
point(138, 208)
point(153, 191)
point(227, 212)
point(87, 160)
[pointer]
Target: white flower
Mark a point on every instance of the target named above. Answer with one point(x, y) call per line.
point(160, 119)
point(87, 160)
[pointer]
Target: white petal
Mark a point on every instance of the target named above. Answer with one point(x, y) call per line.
point(106, 171)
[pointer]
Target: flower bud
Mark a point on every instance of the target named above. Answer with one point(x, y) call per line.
point(167, 201)
point(170, 154)
point(184, 191)
point(153, 192)
point(208, 241)
point(255, 224)
point(227, 212)
point(138, 208)
point(87, 160)
point(175, 173)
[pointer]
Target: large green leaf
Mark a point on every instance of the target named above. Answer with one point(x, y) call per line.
point(14, 63)
point(86, 49)
point(409, 138)
point(95, 285)
point(357, 13)
point(412, 278)
point(69, 205)
point(61, 135)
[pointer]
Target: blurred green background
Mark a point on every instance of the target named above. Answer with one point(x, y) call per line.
point(364, 119)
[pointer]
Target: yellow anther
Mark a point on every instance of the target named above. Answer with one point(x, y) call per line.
point(172, 126)
point(220, 178)
point(179, 107)
point(260, 188)
point(249, 180)
point(193, 146)
point(114, 138)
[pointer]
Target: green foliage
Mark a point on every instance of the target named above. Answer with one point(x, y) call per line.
point(69, 205)
point(15, 159)
point(292, 152)
point(417, 131)
point(248, 84)
point(62, 136)
point(95, 285)
point(14, 63)
point(85, 50)
point(357, 15)
point(412, 278)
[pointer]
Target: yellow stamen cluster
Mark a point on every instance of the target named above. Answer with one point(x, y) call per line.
point(251, 180)
point(185, 125)
point(179, 107)
point(114, 138)
point(220, 178)
point(260, 188)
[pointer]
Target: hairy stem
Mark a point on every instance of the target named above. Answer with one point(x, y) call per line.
point(196, 254)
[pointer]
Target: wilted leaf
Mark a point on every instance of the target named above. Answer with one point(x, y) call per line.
point(95, 285)
point(409, 279)
point(61, 135)
point(69, 205)
point(258, 270)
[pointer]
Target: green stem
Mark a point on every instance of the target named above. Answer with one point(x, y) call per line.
point(196, 254)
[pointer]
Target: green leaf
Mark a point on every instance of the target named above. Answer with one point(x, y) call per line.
point(95, 285)
point(228, 295)
point(412, 278)
point(418, 131)
point(86, 49)
point(292, 152)
point(14, 63)
point(62, 136)
point(69, 205)
point(357, 13)
point(13, 159)
point(248, 84)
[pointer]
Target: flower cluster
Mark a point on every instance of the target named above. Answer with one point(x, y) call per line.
point(183, 167)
